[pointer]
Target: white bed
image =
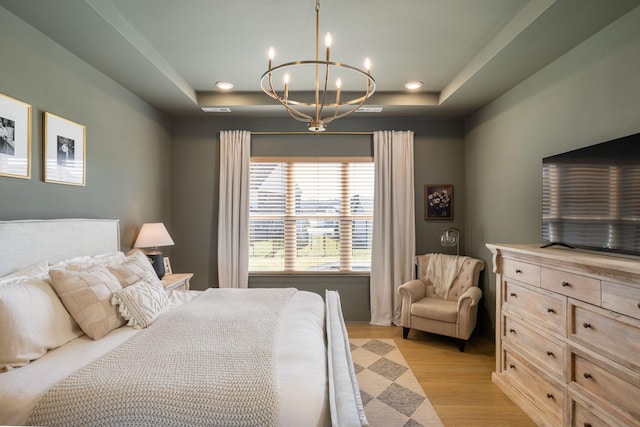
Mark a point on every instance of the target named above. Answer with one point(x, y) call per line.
point(315, 375)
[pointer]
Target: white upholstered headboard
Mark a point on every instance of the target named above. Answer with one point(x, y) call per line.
point(25, 242)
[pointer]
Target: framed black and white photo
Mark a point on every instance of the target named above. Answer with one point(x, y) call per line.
point(167, 265)
point(438, 201)
point(15, 138)
point(64, 151)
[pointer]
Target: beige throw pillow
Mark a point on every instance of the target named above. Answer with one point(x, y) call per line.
point(141, 303)
point(134, 268)
point(87, 294)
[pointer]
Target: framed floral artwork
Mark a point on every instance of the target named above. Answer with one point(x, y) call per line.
point(15, 138)
point(438, 201)
point(64, 151)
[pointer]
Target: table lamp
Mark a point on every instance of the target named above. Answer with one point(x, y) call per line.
point(154, 235)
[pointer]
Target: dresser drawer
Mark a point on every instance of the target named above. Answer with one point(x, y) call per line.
point(518, 270)
point(547, 352)
point(573, 285)
point(582, 417)
point(545, 307)
point(612, 386)
point(548, 395)
point(621, 299)
point(613, 335)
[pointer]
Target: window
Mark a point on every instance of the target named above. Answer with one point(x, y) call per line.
point(311, 216)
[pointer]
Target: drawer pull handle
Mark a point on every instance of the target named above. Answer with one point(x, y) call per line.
point(550, 310)
point(586, 325)
point(587, 375)
point(518, 271)
point(639, 305)
point(513, 294)
point(512, 366)
point(549, 396)
point(586, 424)
point(565, 284)
point(550, 353)
point(513, 331)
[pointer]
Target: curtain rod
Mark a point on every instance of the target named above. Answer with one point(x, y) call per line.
point(310, 133)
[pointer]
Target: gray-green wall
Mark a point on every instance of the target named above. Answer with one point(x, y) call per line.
point(439, 159)
point(143, 167)
point(127, 142)
point(589, 95)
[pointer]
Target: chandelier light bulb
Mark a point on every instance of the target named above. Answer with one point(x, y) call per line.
point(272, 54)
point(327, 40)
point(286, 86)
point(367, 64)
point(338, 83)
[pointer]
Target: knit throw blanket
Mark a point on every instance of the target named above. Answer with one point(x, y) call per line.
point(211, 361)
point(442, 271)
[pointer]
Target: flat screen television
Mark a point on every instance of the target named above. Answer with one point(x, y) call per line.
point(591, 197)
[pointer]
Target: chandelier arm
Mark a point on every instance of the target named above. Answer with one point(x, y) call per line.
point(295, 114)
point(271, 92)
point(351, 110)
point(337, 110)
point(324, 93)
point(274, 94)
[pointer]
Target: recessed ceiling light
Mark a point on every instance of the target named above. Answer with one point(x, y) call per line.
point(413, 85)
point(216, 109)
point(369, 110)
point(224, 85)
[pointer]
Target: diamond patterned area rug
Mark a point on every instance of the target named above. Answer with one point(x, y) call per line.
point(391, 394)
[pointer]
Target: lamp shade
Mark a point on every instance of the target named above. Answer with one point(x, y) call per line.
point(153, 235)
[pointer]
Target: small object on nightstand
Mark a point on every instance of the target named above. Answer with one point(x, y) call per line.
point(177, 281)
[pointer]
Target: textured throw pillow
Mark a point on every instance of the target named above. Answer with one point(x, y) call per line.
point(105, 259)
point(134, 268)
point(87, 294)
point(141, 303)
point(32, 321)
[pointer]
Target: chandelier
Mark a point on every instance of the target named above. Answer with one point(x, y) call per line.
point(318, 107)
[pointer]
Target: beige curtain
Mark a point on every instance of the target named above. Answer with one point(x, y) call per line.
point(233, 215)
point(393, 241)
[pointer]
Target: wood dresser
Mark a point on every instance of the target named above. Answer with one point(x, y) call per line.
point(568, 335)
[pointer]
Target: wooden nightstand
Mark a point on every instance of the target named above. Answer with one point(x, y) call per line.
point(179, 281)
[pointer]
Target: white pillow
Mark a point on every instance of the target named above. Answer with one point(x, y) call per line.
point(86, 294)
point(134, 268)
point(84, 262)
point(141, 303)
point(37, 269)
point(33, 321)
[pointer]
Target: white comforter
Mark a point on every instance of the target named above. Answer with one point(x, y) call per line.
point(301, 359)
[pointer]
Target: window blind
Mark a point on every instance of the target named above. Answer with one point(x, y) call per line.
point(311, 216)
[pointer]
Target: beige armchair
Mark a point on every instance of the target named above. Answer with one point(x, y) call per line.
point(455, 315)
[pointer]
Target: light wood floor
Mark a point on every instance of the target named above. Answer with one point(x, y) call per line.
point(458, 384)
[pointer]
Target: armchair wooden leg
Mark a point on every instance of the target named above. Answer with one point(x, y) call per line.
point(405, 332)
point(461, 345)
